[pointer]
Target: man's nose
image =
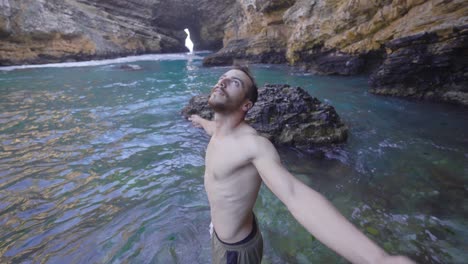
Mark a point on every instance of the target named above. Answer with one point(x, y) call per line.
point(221, 83)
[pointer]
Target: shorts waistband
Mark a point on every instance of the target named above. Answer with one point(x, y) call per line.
point(247, 240)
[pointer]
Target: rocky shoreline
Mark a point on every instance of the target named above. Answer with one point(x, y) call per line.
point(415, 48)
point(286, 115)
point(37, 32)
point(428, 66)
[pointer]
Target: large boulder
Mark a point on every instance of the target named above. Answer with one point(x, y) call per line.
point(287, 116)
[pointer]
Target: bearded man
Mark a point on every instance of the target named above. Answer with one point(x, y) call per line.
point(238, 160)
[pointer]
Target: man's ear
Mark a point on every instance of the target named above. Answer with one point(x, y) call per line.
point(247, 105)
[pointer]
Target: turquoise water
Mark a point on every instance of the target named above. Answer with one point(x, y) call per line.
point(98, 166)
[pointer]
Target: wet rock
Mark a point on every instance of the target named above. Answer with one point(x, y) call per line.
point(429, 66)
point(130, 67)
point(287, 116)
point(332, 63)
point(244, 50)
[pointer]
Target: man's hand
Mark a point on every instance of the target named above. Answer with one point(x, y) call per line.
point(199, 121)
point(196, 120)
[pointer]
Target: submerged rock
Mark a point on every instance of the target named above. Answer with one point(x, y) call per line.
point(130, 67)
point(287, 116)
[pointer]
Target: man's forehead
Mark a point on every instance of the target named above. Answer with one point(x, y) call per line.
point(240, 75)
point(235, 72)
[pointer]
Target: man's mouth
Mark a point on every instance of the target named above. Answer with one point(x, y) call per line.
point(219, 91)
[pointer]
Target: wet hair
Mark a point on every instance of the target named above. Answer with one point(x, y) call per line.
point(252, 92)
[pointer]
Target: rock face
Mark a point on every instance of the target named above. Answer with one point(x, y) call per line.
point(413, 48)
point(43, 31)
point(287, 116)
point(256, 33)
point(430, 66)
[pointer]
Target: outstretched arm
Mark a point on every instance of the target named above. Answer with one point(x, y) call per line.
point(315, 212)
point(207, 125)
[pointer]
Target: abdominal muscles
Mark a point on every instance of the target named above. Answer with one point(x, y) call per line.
point(232, 198)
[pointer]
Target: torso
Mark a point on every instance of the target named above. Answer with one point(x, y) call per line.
point(232, 184)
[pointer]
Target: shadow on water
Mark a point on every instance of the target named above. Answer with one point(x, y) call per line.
point(97, 165)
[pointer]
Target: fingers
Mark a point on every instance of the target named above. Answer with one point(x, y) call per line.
point(195, 124)
point(194, 119)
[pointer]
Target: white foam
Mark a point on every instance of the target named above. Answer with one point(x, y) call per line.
point(119, 84)
point(148, 57)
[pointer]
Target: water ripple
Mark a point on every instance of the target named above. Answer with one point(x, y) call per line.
point(96, 165)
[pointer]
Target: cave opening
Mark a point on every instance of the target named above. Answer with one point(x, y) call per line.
point(188, 41)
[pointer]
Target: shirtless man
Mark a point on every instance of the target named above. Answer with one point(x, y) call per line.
point(238, 160)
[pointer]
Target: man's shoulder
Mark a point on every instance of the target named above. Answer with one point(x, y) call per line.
point(254, 138)
point(254, 142)
point(251, 135)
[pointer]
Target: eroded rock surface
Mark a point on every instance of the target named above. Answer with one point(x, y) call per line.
point(414, 48)
point(287, 116)
point(430, 66)
point(54, 31)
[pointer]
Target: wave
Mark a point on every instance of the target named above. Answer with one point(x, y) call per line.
point(148, 57)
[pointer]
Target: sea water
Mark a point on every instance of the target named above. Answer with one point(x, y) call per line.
point(98, 166)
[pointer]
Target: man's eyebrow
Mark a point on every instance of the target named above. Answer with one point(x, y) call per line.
point(241, 81)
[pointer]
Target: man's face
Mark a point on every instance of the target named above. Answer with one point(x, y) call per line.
point(230, 92)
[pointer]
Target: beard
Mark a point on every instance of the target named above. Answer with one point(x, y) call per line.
point(221, 103)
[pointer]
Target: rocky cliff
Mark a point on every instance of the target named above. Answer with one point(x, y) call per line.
point(39, 31)
point(415, 48)
point(412, 48)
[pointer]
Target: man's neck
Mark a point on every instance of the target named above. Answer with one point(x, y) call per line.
point(225, 124)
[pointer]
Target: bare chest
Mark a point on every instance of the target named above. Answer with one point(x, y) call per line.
point(225, 158)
